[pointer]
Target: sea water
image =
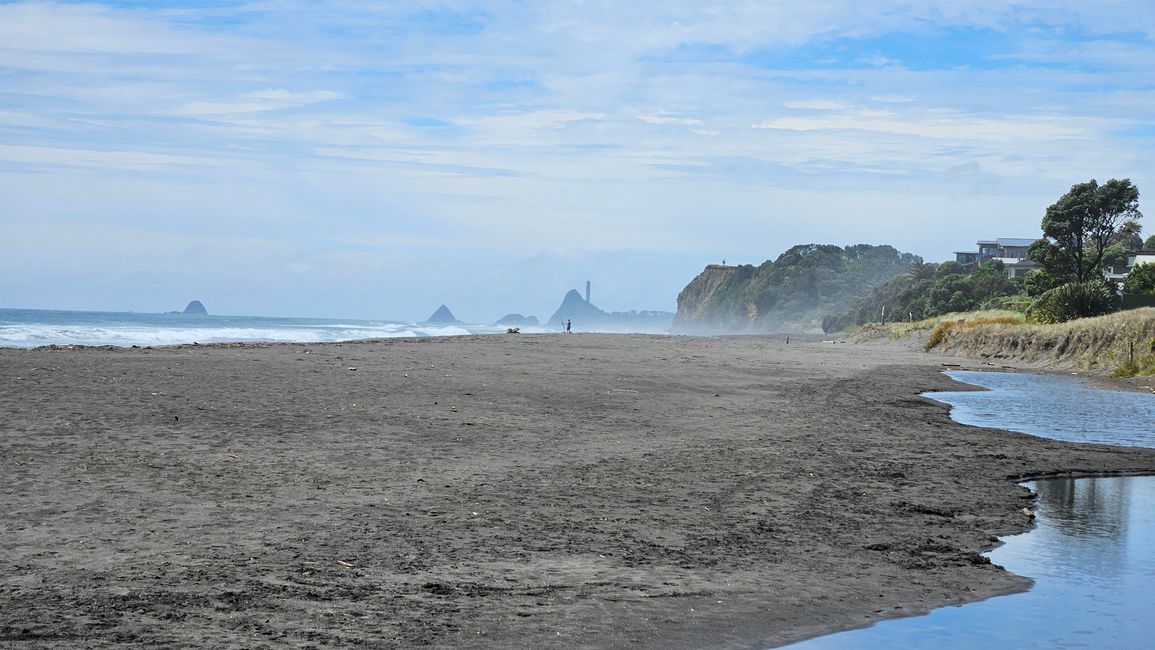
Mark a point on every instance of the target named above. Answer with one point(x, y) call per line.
point(35, 327)
point(1092, 553)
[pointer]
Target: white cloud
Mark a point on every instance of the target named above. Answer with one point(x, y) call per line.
point(124, 160)
point(514, 127)
point(258, 102)
point(667, 119)
point(817, 105)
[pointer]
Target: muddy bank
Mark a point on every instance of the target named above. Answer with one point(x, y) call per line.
point(571, 491)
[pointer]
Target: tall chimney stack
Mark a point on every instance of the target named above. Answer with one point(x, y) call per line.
point(587, 291)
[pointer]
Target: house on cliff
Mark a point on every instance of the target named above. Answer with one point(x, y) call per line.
point(1011, 251)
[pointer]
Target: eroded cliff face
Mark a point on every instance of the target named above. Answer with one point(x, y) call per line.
point(714, 300)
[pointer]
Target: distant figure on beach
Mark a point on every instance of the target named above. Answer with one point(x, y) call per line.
point(568, 323)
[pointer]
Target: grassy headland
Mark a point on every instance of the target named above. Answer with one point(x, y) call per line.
point(790, 293)
point(1121, 344)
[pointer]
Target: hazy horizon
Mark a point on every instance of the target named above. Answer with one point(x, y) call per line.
point(374, 160)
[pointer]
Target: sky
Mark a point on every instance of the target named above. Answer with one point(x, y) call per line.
point(359, 159)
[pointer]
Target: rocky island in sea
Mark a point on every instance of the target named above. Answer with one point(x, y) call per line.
point(518, 320)
point(442, 315)
point(586, 316)
point(195, 308)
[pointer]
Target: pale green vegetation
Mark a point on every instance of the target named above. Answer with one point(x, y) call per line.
point(1141, 280)
point(1121, 344)
point(903, 329)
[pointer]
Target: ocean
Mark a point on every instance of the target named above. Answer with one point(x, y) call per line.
point(27, 328)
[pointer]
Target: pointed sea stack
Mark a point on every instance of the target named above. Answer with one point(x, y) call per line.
point(442, 315)
point(195, 308)
point(574, 307)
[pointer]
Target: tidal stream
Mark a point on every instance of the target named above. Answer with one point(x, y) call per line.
point(1092, 554)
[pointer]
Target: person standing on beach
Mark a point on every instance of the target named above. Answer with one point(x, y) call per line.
point(568, 323)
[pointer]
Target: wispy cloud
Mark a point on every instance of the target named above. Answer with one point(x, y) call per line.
point(510, 126)
point(258, 102)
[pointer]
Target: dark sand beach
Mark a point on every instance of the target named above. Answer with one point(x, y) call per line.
point(585, 491)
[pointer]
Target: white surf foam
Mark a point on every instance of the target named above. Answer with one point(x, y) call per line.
point(37, 334)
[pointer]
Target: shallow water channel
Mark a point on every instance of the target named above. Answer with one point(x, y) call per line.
point(1092, 554)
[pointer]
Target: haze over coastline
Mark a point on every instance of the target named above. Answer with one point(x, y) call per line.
point(372, 160)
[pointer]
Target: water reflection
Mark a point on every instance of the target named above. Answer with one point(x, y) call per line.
point(1093, 506)
point(1093, 559)
point(1092, 554)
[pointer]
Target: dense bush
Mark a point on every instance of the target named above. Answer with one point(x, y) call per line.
point(1140, 280)
point(1074, 300)
point(953, 287)
point(1038, 282)
point(791, 292)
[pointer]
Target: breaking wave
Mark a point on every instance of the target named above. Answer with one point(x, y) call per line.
point(32, 328)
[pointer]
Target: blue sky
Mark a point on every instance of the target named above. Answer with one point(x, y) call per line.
point(376, 159)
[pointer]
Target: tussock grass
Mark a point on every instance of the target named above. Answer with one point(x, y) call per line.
point(940, 331)
point(902, 329)
point(1122, 344)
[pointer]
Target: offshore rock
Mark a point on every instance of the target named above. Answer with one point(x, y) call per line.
point(519, 320)
point(574, 307)
point(196, 308)
point(442, 315)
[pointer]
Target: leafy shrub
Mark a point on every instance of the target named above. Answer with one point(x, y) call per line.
point(1140, 280)
point(1074, 300)
point(1039, 282)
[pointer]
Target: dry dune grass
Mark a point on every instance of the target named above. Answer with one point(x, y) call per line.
point(944, 328)
point(903, 329)
point(1122, 343)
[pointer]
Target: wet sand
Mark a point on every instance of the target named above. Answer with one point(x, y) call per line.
point(584, 491)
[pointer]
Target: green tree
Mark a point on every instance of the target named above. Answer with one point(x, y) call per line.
point(1149, 245)
point(952, 287)
point(1039, 282)
point(920, 270)
point(1078, 228)
point(1140, 280)
point(949, 268)
point(1128, 236)
point(1115, 257)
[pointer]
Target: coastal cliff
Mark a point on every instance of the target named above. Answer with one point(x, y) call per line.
point(791, 293)
point(716, 297)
